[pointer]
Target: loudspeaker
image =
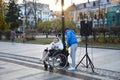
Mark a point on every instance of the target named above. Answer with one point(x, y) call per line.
point(86, 28)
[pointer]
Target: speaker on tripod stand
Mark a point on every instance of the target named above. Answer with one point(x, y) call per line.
point(86, 30)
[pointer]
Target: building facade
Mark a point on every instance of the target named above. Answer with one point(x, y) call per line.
point(31, 13)
point(99, 11)
point(34, 12)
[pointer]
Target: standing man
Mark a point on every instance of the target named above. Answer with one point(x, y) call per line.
point(72, 43)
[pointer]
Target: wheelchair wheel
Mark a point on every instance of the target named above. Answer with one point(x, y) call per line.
point(60, 61)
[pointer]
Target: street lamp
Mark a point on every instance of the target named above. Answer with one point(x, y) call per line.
point(99, 13)
point(35, 8)
point(26, 25)
point(117, 11)
point(63, 26)
point(118, 17)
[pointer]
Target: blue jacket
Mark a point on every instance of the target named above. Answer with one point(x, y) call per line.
point(71, 37)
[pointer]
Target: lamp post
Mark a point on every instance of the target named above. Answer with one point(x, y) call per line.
point(26, 25)
point(104, 17)
point(35, 8)
point(118, 17)
point(63, 26)
point(99, 13)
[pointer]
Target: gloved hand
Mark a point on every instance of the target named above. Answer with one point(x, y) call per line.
point(46, 50)
point(66, 44)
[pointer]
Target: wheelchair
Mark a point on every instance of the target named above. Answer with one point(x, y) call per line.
point(58, 59)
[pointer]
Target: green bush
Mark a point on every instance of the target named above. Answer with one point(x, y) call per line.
point(113, 40)
point(30, 38)
point(100, 40)
point(7, 34)
point(117, 40)
point(1, 34)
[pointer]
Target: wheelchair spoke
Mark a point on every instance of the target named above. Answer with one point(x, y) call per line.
point(58, 61)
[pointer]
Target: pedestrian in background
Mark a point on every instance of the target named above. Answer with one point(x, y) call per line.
point(72, 43)
point(12, 35)
point(23, 37)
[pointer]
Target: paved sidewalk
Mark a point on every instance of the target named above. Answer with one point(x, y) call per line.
point(102, 58)
point(18, 72)
point(108, 59)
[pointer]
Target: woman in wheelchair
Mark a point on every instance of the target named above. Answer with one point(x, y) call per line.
point(53, 49)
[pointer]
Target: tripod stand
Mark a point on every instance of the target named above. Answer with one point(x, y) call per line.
point(88, 60)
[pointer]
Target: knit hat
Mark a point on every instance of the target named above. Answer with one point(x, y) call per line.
point(66, 29)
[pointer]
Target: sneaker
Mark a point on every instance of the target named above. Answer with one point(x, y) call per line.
point(51, 68)
point(45, 66)
point(67, 64)
point(71, 68)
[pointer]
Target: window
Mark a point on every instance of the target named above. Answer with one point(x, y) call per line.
point(108, 0)
point(84, 5)
point(95, 16)
point(94, 4)
point(101, 16)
